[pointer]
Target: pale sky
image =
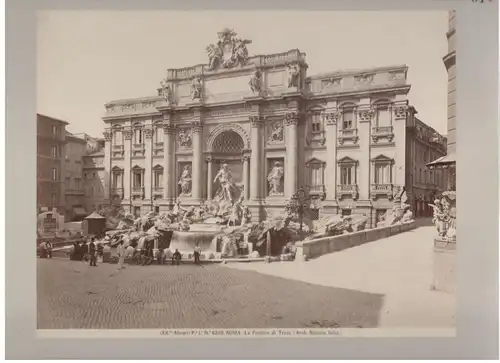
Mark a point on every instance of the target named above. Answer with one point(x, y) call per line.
point(87, 58)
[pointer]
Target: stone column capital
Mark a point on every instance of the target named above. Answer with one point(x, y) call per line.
point(245, 158)
point(292, 118)
point(107, 135)
point(196, 126)
point(148, 133)
point(209, 159)
point(127, 134)
point(365, 114)
point(332, 117)
point(256, 120)
point(400, 112)
point(168, 128)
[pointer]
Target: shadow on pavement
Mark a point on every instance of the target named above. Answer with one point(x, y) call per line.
point(74, 296)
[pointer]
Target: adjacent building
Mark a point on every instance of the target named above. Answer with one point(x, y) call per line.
point(74, 151)
point(51, 140)
point(447, 164)
point(350, 138)
point(94, 176)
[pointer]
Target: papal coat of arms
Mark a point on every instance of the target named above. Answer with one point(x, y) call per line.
point(229, 51)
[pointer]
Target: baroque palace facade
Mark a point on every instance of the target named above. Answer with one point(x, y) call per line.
point(348, 137)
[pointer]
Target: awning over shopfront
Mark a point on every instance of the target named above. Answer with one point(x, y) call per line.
point(443, 162)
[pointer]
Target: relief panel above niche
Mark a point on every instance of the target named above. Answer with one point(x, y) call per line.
point(276, 79)
point(227, 89)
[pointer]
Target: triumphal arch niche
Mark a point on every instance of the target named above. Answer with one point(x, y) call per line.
point(237, 128)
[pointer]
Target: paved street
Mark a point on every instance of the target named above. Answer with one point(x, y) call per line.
point(398, 267)
point(73, 295)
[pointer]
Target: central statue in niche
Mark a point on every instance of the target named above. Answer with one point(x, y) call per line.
point(227, 188)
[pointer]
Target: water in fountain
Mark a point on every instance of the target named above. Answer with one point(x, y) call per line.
point(186, 241)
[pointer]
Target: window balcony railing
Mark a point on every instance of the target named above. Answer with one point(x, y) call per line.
point(379, 132)
point(138, 192)
point(138, 149)
point(158, 191)
point(117, 192)
point(318, 190)
point(158, 148)
point(348, 190)
point(348, 134)
point(381, 190)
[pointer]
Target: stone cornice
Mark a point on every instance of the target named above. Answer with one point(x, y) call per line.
point(334, 95)
point(255, 61)
point(355, 72)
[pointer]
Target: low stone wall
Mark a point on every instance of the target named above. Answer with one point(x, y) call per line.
point(321, 246)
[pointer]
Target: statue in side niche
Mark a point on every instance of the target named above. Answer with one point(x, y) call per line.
point(185, 181)
point(196, 88)
point(255, 81)
point(275, 178)
point(293, 75)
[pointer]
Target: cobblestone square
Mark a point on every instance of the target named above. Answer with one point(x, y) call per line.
point(71, 295)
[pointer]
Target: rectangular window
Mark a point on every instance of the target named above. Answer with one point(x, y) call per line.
point(158, 135)
point(347, 119)
point(77, 183)
point(54, 174)
point(138, 136)
point(68, 182)
point(158, 179)
point(117, 138)
point(137, 212)
point(137, 180)
point(382, 174)
point(54, 151)
point(347, 175)
point(54, 131)
point(157, 210)
point(54, 199)
point(117, 180)
point(383, 117)
point(316, 123)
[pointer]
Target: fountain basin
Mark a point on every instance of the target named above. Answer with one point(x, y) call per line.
point(205, 227)
point(186, 241)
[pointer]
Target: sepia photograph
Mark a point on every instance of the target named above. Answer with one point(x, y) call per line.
point(251, 180)
point(202, 172)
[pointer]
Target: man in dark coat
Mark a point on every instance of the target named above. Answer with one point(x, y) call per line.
point(93, 253)
point(176, 257)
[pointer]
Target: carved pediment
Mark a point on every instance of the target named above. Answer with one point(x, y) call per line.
point(382, 159)
point(117, 169)
point(346, 160)
point(314, 161)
